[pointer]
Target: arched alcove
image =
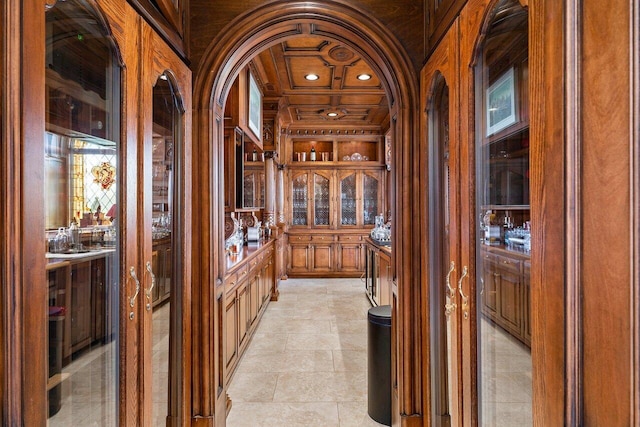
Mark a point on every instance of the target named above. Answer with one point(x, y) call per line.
point(234, 47)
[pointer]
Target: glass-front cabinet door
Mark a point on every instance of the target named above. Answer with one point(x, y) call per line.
point(322, 196)
point(502, 227)
point(371, 201)
point(348, 210)
point(299, 199)
point(83, 192)
point(359, 198)
point(116, 162)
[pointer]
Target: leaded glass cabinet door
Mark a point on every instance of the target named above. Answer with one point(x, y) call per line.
point(250, 191)
point(371, 203)
point(299, 199)
point(348, 211)
point(322, 195)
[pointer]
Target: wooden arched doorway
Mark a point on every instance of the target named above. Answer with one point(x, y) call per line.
point(226, 56)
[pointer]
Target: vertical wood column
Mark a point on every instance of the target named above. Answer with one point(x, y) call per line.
point(280, 195)
point(269, 189)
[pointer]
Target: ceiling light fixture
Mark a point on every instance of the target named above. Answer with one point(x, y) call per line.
point(312, 77)
point(332, 114)
point(364, 77)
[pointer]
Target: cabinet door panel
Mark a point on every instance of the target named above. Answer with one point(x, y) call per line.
point(384, 297)
point(299, 258)
point(489, 290)
point(80, 305)
point(231, 330)
point(371, 197)
point(350, 258)
point(254, 298)
point(322, 257)
point(299, 200)
point(243, 314)
point(510, 308)
point(98, 299)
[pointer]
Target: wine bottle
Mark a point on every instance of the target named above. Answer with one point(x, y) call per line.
point(312, 155)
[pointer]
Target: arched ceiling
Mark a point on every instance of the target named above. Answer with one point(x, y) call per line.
point(338, 97)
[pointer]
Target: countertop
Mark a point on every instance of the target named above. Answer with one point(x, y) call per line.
point(247, 252)
point(80, 256)
point(383, 248)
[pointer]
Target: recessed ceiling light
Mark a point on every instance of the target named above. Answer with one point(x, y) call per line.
point(312, 77)
point(332, 114)
point(364, 76)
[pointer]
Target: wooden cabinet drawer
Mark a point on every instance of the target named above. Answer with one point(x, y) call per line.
point(510, 264)
point(242, 272)
point(322, 238)
point(349, 238)
point(230, 282)
point(298, 238)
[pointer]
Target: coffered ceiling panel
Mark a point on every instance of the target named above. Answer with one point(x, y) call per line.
point(345, 92)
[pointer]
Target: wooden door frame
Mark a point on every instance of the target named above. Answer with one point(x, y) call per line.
point(23, 367)
point(225, 57)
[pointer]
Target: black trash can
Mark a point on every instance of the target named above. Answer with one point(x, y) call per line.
point(56, 323)
point(379, 366)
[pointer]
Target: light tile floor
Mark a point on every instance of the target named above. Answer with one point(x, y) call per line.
point(307, 362)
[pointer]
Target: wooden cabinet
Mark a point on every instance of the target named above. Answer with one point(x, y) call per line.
point(98, 299)
point(161, 261)
point(378, 276)
point(334, 199)
point(360, 198)
point(253, 186)
point(385, 279)
point(311, 199)
point(327, 254)
point(87, 308)
point(80, 305)
point(231, 329)
point(329, 213)
point(350, 254)
point(248, 285)
point(505, 292)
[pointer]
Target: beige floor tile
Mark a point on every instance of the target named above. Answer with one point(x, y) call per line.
point(326, 342)
point(251, 414)
point(321, 387)
point(253, 387)
point(290, 361)
point(350, 360)
point(353, 326)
